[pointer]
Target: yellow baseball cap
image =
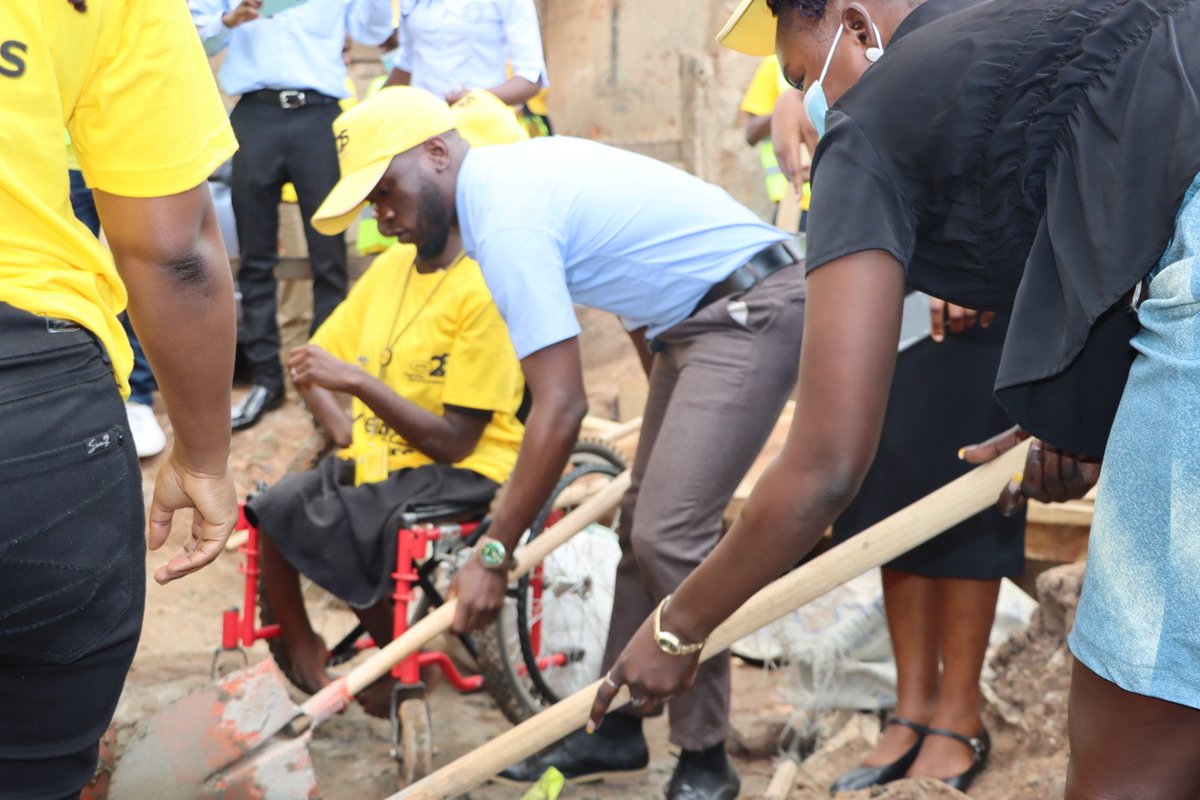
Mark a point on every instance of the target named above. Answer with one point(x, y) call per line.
point(368, 137)
point(483, 119)
point(751, 29)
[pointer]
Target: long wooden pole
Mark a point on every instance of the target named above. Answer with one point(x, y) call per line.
point(942, 509)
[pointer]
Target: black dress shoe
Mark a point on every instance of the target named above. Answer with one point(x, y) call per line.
point(258, 401)
point(584, 758)
point(980, 746)
point(863, 777)
point(694, 782)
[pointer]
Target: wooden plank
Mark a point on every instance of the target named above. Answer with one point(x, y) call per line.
point(1073, 513)
point(1061, 544)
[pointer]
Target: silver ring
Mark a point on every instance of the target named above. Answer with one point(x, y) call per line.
point(637, 701)
point(292, 372)
point(609, 680)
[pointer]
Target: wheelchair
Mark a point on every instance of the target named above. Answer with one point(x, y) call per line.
point(546, 643)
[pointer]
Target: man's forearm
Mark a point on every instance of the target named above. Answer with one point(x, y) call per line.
point(329, 413)
point(758, 128)
point(515, 90)
point(432, 434)
point(549, 436)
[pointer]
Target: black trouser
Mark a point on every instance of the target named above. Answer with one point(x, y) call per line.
point(72, 554)
point(277, 145)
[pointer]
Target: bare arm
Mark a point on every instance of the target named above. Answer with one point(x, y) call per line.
point(791, 131)
point(758, 128)
point(330, 415)
point(512, 92)
point(851, 329)
point(515, 91)
point(169, 253)
point(554, 376)
point(446, 438)
point(398, 77)
point(555, 379)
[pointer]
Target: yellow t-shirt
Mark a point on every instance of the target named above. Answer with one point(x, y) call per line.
point(765, 88)
point(130, 81)
point(451, 348)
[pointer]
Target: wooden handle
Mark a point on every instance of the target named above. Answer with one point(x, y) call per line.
point(787, 217)
point(591, 510)
point(439, 621)
point(784, 780)
point(943, 509)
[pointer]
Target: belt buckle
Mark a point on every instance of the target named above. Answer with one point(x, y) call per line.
point(291, 98)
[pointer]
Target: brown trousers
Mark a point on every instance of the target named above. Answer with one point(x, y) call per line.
point(716, 389)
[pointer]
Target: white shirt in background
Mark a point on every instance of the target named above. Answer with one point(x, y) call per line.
point(448, 45)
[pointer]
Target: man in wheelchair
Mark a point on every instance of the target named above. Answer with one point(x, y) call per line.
point(435, 385)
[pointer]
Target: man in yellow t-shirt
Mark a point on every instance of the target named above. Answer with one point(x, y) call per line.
point(132, 85)
point(435, 387)
point(759, 101)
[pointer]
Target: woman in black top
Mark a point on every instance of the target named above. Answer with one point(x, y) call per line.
point(1037, 156)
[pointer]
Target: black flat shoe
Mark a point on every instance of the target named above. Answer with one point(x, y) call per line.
point(862, 777)
point(251, 408)
point(980, 745)
point(693, 782)
point(584, 758)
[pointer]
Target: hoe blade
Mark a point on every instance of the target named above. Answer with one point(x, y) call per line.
point(232, 741)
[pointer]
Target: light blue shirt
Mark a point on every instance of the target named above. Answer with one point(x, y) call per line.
point(449, 45)
point(300, 48)
point(558, 220)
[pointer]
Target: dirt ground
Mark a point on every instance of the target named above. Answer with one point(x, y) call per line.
point(352, 752)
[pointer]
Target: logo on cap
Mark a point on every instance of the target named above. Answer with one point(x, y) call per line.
point(343, 139)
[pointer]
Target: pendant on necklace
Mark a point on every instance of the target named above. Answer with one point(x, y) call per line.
point(385, 357)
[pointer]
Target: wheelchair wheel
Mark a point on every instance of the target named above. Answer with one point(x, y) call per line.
point(592, 450)
point(416, 740)
point(549, 640)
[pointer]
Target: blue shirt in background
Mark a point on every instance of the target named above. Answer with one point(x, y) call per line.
point(300, 48)
point(558, 220)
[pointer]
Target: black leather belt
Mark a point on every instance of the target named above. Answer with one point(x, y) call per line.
point(290, 98)
point(761, 266)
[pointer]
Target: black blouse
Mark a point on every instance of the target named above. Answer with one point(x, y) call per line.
point(1024, 154)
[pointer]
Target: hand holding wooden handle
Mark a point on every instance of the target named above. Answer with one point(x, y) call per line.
point(528, 557)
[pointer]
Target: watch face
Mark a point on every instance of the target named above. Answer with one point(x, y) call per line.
point(492, 554)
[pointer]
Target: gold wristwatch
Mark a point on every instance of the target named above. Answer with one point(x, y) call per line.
point(668, 642)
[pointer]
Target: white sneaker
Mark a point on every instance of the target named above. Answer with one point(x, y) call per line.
point(148, 436)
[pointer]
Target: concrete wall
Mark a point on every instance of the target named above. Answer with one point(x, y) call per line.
point(648, 75)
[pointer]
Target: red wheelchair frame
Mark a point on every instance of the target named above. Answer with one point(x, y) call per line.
point(415, 543)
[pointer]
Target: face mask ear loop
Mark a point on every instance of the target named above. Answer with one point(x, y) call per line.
point(829, 58)
point(873, 54)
